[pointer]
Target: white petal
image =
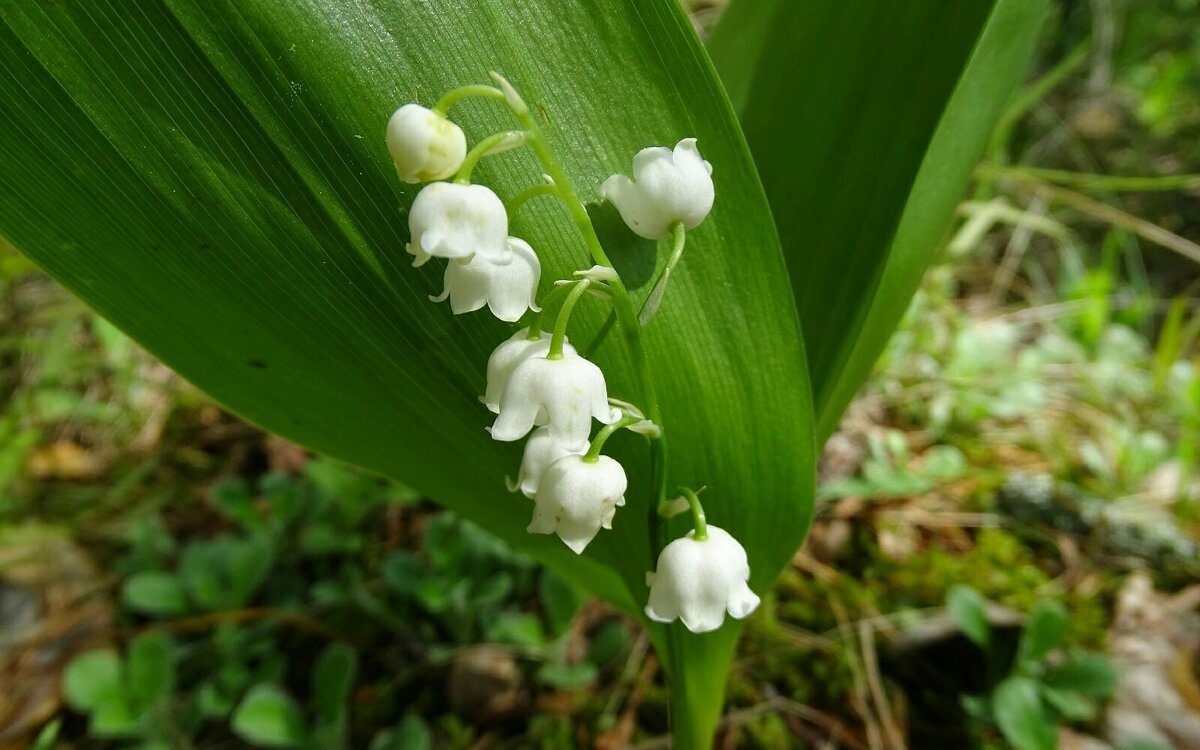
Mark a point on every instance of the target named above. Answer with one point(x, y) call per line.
point(467, 284)
point(742, 601)
point(457, 221)
point(507, 356)
point(582, 496)
point(648, 157)
point(512, 288)
point(640, 212)
point(575, 392)
point(568, 390)
point(541, 450)
point(516, 417)
point(701, 581)
point(669, 186)
point(543, 521)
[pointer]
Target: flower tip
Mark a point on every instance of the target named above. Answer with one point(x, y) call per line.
point(742, 607)
point(577, 545)
point(655, 616)
point(701, 624)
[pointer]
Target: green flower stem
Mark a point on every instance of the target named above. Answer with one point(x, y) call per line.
point(552, 298)
point(451, 97)
point(497, 143)
point(564, 315)
point(698, 521)
point(659, 290)
point(678, 240)
point(532, 191)
point(627, 314)
point(593, 454)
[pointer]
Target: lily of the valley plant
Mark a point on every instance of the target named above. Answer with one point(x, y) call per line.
point(214, 178)
point(539, 386)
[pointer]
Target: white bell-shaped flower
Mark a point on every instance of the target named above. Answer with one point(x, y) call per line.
point(449, 220)
point(699, 581)
point(564, 393)
point(505, 358)
point(508, 290)
point(576, 498)
point(541, 450)
point(667, 187)
point(424, 145)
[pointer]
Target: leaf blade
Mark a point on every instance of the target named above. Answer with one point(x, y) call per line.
point(230, 204)
point(859, 226)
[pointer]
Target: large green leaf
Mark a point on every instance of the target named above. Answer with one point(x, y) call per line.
point(866, 121)
point(211, 176)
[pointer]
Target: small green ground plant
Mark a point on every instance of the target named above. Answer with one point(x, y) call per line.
point(1032, 693)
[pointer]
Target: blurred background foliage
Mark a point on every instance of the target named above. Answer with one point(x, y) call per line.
point(1005, 553)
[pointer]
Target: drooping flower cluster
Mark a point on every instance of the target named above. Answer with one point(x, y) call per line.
point(538, 385)
point(466, 224)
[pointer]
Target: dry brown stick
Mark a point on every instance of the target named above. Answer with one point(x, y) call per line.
point(860, 699)
point(866, 644)
point(253, 614)
point(1110, 214)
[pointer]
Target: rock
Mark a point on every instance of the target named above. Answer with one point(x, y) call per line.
point(485, 685)
point(1155, 639)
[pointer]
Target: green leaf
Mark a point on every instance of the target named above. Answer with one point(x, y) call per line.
point(91, 678)
point(268, 716)
point(568, 676)
point(516, 629)
point(332, 679)
point(969, 610)
point(212, 177)
point(1088, 673)
point(1045, 631)
point(47, 738)
point(412, 733)
point(224, 573)
point(1073, 705)
point(866, 122)
point(150, 669)
point(114, 717)
point(1018, 710)
point(560, 600)
point(154, 593)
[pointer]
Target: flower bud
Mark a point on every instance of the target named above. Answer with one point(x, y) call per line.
point(575, 499)
point(508, 290)
point(699, 581)
point(424, 145)
point(667, 187)
point(448, 220)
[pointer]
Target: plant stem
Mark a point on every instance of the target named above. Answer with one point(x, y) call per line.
point(1116, 183)
point(604, 434)
point(532, 191)
point(659, 290)
point(462, 92)
point(698, 520)
point(497, 143)
point(626, 311)
point(564, 315)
